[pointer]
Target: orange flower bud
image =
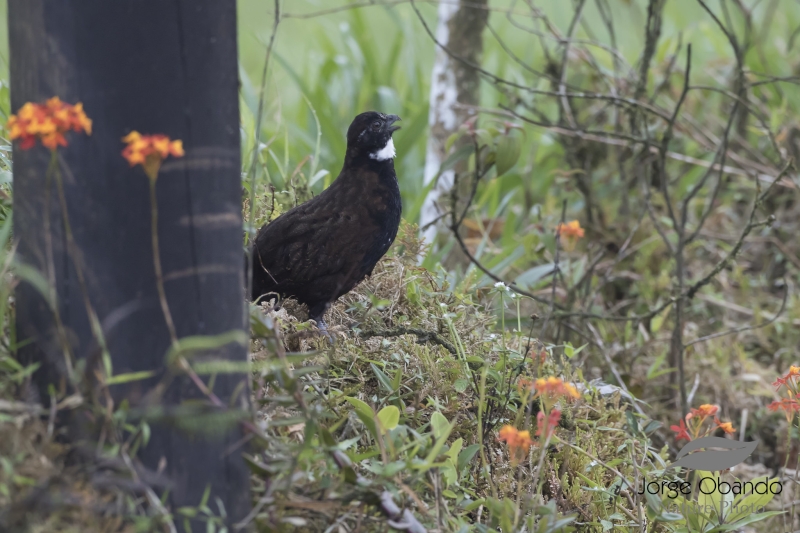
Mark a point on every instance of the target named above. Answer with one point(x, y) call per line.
point(150, 150)
point(572, 229)
point(554, 387)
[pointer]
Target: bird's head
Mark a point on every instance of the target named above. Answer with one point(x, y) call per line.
point(371, 133)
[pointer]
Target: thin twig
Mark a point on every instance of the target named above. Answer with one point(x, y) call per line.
point(256, 142)
point(422, 335)
point(556, 266)
point(565, 107)
point(749, 327)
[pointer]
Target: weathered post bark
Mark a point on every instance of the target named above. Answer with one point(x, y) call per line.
point(454, 85)
point(155, 67)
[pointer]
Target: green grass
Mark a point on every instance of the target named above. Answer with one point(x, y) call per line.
point(390, 413)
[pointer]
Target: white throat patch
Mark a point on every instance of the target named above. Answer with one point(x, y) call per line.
point(387, 152)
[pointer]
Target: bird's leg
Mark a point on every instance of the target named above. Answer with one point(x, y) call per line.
point(323, 328)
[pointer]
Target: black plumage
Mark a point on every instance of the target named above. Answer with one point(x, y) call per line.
point(320, 250)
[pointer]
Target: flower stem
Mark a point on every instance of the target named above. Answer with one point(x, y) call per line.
point(74, 253)
point(786, 463)
point(486, 469)
point(162, 295)
point(51, 270)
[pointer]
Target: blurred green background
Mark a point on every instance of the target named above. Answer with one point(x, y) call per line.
point(329, 65)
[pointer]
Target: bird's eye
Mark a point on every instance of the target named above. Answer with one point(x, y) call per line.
point(376, 125)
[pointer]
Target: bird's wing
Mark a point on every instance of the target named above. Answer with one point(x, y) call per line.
point(294, 249)
point(321, 249)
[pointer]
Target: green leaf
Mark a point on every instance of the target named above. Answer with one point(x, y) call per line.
point(439, 424)
point(485, 138)
point(467, 454)
point(579, 349)
point(569, 351)
point(451, 141)
point(394, 468)
point(206, 494)
point(191, 512)
point(383, 379)
point(35, 278)
point(633, 423)
point(145, 433)
point(5, 232)
point(657, 321)
point(474, 505)
point(450, 472)
point(459, 155)
point(751, 501)
point(745, 521)
point(224, 366)
point(441, 429)
point(533, 275)
point(437, 446)
point(317, 176)
point(489, 157)
point(461, 385)
point(412, 293)
point(389, 416)
point(651, 427)
point(507, 153)
point(655, 369)
point(364, 413)
point(130, 376)
point(198, 343)
point(397, 379)
point(455, 449)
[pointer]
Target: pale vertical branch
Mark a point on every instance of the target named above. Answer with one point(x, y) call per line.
point(441, 120)
point(454, 91)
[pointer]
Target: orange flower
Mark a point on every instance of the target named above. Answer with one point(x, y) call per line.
point(788, 405)
point(519, 442)
point(47, 122)
point(540, 356)
point(548, 425)
point(681, 431)
point(789, 379)
point(150, 150)
point(785, 404)
point(524, 384)
point(554, 387)
point(727, 427)
point(696, 419)
point(704, 411)
point(571, 230)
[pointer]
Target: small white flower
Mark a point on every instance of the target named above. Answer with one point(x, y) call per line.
point(499, 284)
point(442, 305)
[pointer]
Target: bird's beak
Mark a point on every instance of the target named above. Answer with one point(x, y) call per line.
point(392, 120)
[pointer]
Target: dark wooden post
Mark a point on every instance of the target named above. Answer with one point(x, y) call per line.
point(154, 66)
